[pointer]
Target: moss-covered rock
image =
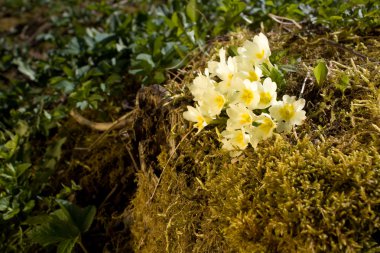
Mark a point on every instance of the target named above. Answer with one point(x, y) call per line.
point(316, 190)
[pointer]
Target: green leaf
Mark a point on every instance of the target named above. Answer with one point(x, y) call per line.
point(21, 168)
point(320, 72)
point(25, 69)
point(21, 128)
point(11, 213)
point(52, 156)
point(159, 77)
point(81, 217)
point(146, 58)
point(275, 74)
point(37, 220)
point(191, 10)
point(67, 246)
point(56, 228)
point(62, 83)
point(4, 203)
point(29, 206)
point(343, 82)
point(9, 148)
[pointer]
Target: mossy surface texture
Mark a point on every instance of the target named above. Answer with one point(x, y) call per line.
point(315, 190)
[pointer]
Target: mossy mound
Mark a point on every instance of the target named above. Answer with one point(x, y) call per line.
point(316, 190)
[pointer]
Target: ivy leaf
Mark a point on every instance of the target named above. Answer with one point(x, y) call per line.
point(320, 72)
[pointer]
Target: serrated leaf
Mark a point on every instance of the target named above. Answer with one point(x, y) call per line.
point(320, 72)
point(191, 10)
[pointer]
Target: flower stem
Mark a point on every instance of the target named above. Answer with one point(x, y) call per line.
point(82, 246)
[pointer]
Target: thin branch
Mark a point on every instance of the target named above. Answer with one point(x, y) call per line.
point(304, 83)
point(82, 246)
point(119, 123)
point(284, 20)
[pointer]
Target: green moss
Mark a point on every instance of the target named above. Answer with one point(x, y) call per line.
point(281, 198)
point(315, 192)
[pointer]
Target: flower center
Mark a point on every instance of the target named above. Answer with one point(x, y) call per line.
point(239, 139)
point(247, 96)
point(200, 122)
point(219, 100)
point(245, 119)
point(287, 112)
point(265, 98)
point(252, 76)
point(260, 55)
point(267, 125)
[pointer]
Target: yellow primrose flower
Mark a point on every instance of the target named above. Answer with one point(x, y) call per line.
point(263, 131)
point(247, 94)
point(212, 103)
point(256, 51)
point(247, 70)
point(267, 92)
point(225, 70)
point(195, 115)
point(235, 140)
point(239, 116)
point(288, 113)
point(201, 85)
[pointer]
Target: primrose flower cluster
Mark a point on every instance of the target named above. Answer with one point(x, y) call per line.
point(235, 89)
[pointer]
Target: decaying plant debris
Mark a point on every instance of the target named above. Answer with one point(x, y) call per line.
point(163, 189)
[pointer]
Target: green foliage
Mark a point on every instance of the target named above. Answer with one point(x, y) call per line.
point(63, 226)
point(357, 15)
point(275, 74)
point(22, 179)
point(320, 72)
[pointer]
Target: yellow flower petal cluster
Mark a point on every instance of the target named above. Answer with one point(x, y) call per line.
point(234, 89)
